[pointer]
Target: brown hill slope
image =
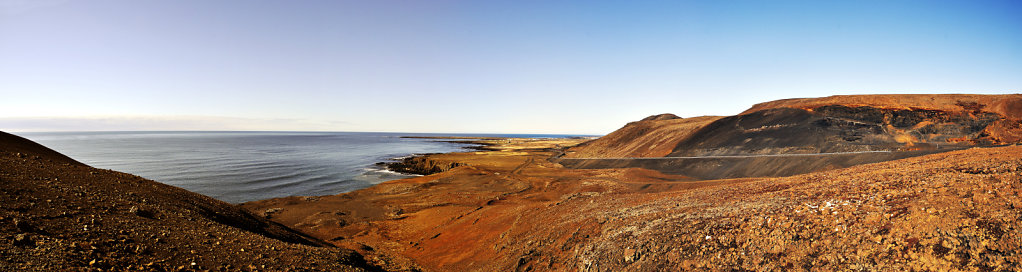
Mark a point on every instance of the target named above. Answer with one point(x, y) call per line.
point(61, 215)
point(654, 136)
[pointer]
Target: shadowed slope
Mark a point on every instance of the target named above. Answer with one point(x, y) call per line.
point(14, 144)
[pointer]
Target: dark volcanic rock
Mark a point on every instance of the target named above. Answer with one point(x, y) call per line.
point(23, 240)
point(836, 128)
point(421, 165)
point(21, 225)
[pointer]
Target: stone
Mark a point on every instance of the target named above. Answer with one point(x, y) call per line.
point(22, 225)
point(23, 240)
point(629, 255)
point(140, 212)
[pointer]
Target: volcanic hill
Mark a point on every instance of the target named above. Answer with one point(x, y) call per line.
point(796, 136)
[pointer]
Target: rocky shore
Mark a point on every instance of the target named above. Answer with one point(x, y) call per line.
point(420, 164)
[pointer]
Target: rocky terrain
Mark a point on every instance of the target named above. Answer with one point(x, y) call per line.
point(517, 208)
point(943, 199)
point(61, 215)
point(513, 211)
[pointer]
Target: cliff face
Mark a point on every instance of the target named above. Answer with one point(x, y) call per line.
point(61, 215)
point(993, 119)
point(838, 128)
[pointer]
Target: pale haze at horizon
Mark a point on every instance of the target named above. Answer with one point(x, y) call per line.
point(584, 67)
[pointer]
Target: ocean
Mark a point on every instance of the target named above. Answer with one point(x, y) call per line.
point(244, 166)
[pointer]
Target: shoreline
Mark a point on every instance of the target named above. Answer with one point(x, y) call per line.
point(422, 164)
point(412, 164)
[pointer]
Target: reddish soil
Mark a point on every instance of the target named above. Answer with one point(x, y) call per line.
point(61, 215)
point(518, 212)
point(514, 210)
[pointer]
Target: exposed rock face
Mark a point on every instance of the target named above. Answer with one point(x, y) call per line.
point(63, 215)
point(838, 128)
point(1008, 107)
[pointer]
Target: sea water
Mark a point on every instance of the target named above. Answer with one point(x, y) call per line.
point(245, 166)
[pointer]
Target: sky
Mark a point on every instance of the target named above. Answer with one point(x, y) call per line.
point(571, 67)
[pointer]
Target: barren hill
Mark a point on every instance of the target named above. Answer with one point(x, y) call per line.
point(654, 136)
point(852, 128)
point(58, 214)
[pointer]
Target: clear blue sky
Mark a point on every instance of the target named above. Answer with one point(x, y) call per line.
point(584, 67)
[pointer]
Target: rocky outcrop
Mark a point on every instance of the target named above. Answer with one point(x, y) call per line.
point(839, 128)
point(1008, 107)
point(422, 165)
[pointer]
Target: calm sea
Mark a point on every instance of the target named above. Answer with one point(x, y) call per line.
point(245, 166)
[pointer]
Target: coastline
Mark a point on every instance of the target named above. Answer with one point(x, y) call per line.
point(422, 164)
point(425, 164)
